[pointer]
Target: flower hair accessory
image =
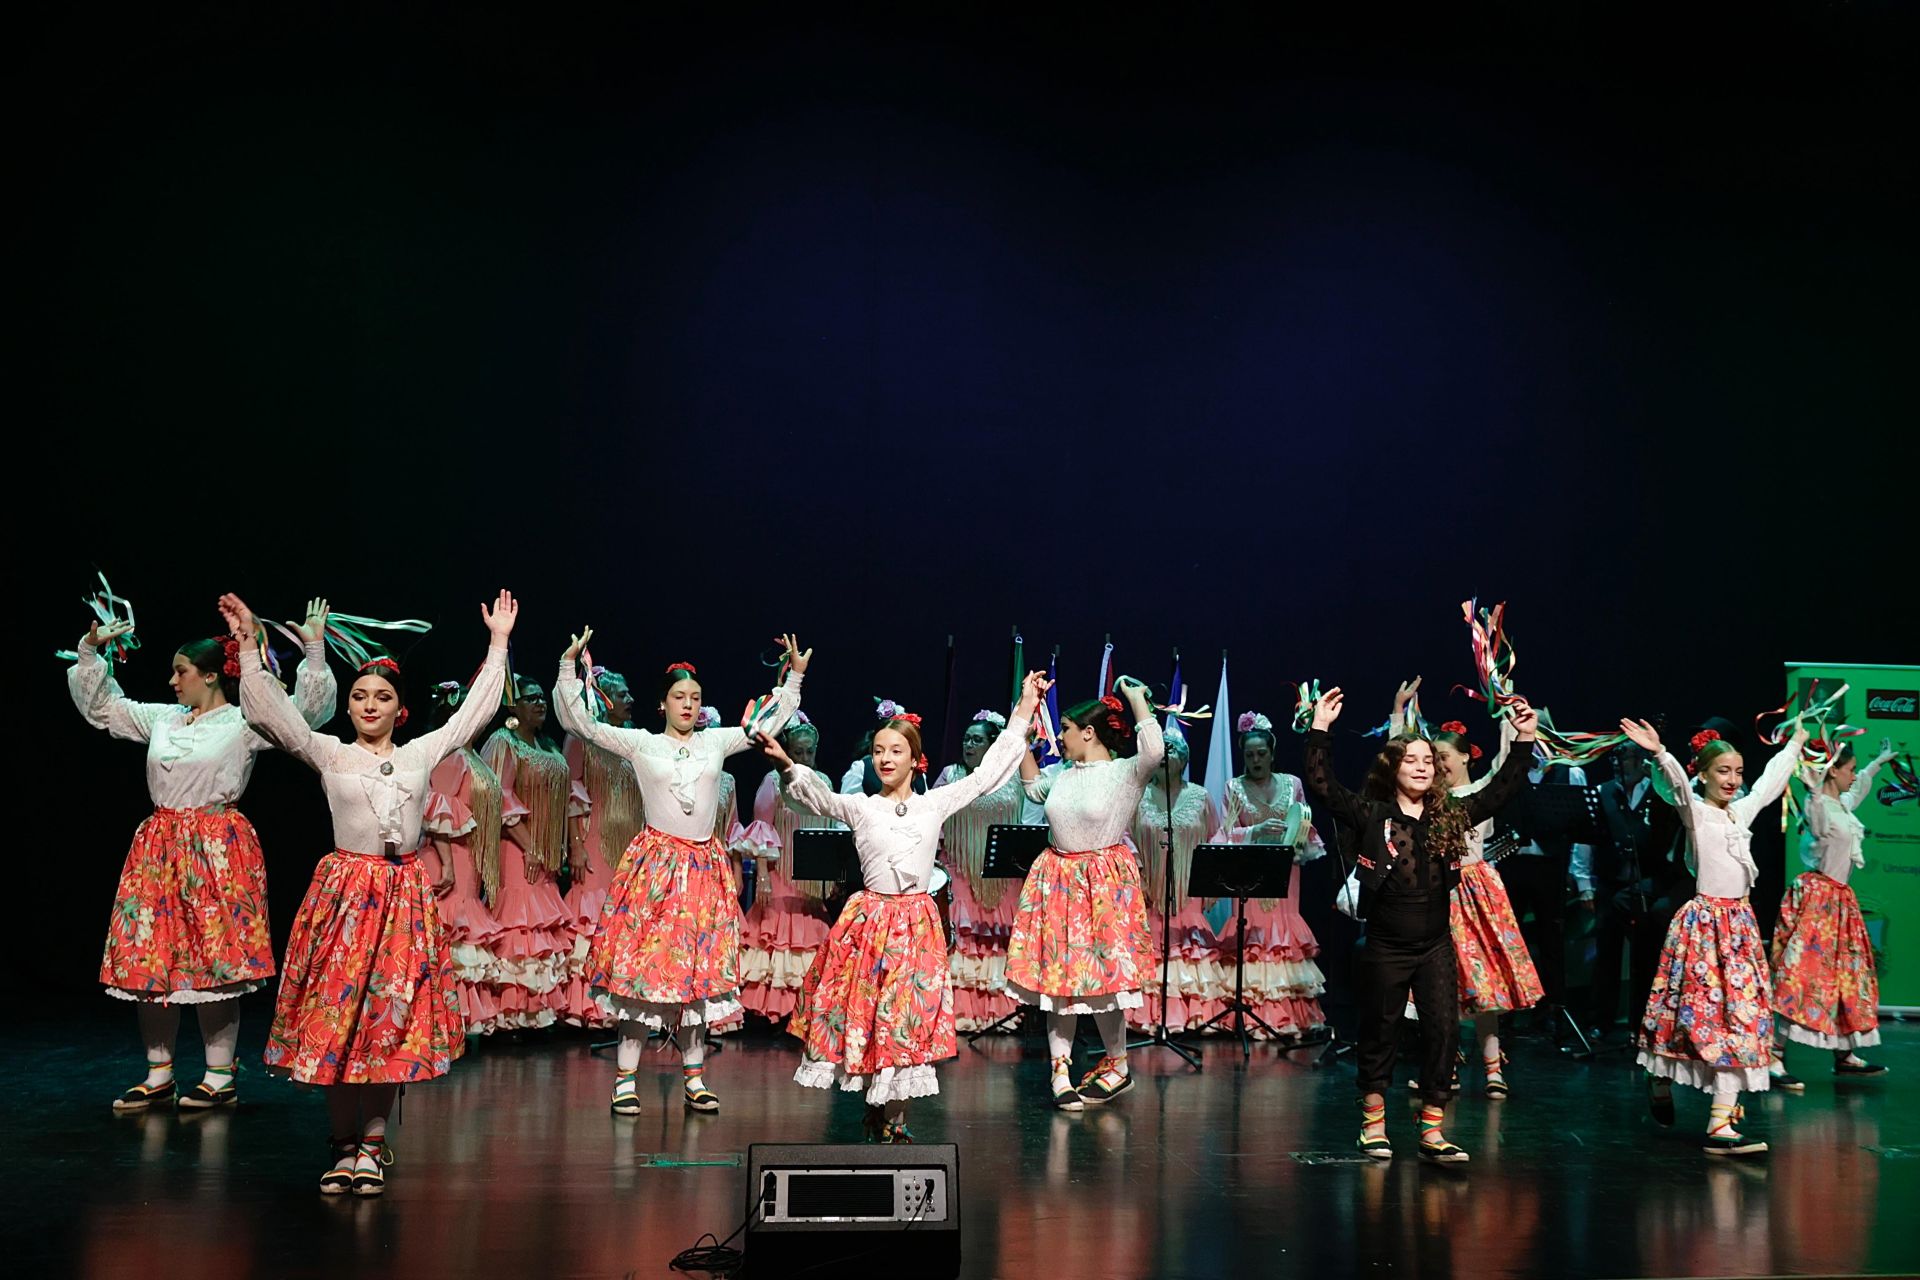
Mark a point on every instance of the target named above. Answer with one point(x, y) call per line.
point(800, 717)
point(907, 717)
point(993, 718)
point(231, 648)
point(681, 666)
point(1252, 720)
point(709, 717)
point(1702, 738)
point(887, 709)
point(400, 720)
point(386, 663)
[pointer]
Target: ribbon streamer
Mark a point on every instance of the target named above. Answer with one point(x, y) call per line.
point(1903, 786)
point(106, 610)
point(1305, 695)
point(1494, 659)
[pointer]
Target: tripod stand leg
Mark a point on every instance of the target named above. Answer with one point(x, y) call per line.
point(995, 1025)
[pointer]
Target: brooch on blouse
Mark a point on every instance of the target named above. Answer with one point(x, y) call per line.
point(386, 768)
point(900, 809)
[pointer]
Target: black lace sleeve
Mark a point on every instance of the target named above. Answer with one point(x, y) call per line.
point(1502, 786)
point(1326, 789)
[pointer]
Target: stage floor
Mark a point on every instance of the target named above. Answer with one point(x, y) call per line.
point(513, 1167)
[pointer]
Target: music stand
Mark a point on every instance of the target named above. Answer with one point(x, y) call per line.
point(1011, 849)
point(1240, 871)
point(1561, 811)
point(824, 853)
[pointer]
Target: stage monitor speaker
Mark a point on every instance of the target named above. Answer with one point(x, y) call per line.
point(818, 1205)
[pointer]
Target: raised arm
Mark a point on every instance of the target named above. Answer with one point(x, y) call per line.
point(471, 716)
point(804, 788)
point(1002, 758)
point(1499, 761)
point(1863, 779)
point(1150, 745)
point(1501, 787)
point(1772, 782)
point(316, 693)
point(1326, 789)
point(97, 696)
point(272, 715)
point(570, 706)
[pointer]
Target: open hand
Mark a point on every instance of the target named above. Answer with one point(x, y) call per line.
point(240, 623)
point(1327, 709)
point(500, 619)
point(579, 642)
point(314, 630)
point(1643, 735)
point(796, 660)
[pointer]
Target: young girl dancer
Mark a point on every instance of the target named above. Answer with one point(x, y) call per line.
point(1709, 1021)
point(876, 1010)
point(368, 1000)
point(1825, 991)
point(1080, 942)
point(1409, 840)
point(666, 953)
point(189, 923)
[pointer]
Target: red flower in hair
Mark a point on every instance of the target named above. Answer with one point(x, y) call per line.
point(231, 667)
point(1474, 752)
point(1702, 738)
point(388, 663)
point(1112, 703)
point(913, 720)
point(401, 719)
point(1454, 726)
point(682, 666)
point(921, 763)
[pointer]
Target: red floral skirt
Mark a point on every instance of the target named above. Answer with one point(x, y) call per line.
point(669, 934)
point(368, 992)
point(1709, 1022)
point(1080, 941)
point(1824, 986)
point(878, 1001)
point(1496, 973)
point(189, 918)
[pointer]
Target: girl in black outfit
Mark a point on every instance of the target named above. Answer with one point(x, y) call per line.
point(1408, 837)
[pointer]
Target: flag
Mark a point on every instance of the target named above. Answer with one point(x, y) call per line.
point(1220, 760)
point(1175, 689)
point(1107, 673)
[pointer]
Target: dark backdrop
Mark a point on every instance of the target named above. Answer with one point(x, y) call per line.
point(1279, 335)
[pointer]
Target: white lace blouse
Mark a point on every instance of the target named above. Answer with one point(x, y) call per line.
point(1091, 805)
point(376, 800)
point(193, 762)
point(897, 850)
point(1835, 835)
point(1720, 841)
point(679, 778)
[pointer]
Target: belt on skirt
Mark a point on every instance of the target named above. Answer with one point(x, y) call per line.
point(392, 856)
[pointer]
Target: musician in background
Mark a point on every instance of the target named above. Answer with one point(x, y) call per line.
point(1539, 872)
point(1625, 925)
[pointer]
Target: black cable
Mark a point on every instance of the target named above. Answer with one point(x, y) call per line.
point(716, 1258)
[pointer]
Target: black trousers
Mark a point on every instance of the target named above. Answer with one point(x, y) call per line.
point(1385, 969)
point(1539, 886)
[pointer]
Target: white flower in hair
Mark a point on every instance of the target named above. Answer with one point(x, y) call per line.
point(993, 718)
point(709, 717)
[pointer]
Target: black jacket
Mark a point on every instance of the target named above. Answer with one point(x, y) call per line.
point(1372, 822)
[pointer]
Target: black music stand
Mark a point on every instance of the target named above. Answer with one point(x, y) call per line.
point(1011, 849)
point(1240, 871)
point(1571, 813)
point(824, 853)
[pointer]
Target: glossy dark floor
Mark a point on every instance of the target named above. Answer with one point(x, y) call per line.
point(512, 1167)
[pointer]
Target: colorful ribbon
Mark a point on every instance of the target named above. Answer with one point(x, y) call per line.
point(1494, 659)
point(1903, 786)
point(106, 610)
point(1305, 695)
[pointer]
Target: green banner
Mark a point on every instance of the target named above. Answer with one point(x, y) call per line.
point(1885, 701)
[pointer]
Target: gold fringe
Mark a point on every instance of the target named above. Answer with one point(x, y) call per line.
point(618, 807)
point(542, 782)
point(483, 799)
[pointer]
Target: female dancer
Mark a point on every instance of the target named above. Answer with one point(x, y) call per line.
point(1080, 942)
point(876, 1011)
point(368, 1001)
point(1409, 840)
point(465, 811)
point(1201, 976)
point(189, 923)
point(605, 788)
point(788, 920)
point(1825, 991)
point(666, 953)
point(982, 909)
point(1282, 977)
point(1709, 1022)
point(534, 943)
point(1496, 975)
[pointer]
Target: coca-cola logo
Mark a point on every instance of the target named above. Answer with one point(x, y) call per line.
point(1893, 704)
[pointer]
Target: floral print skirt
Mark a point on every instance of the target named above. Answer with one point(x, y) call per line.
point(1825, 990)
point(368, 994)
point(876, 1009)
point(1080, 942)
point(189, 920)
point(1709, 1020)
point(1496, 973)
point(668, 943)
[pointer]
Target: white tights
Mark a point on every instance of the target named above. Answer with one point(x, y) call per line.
point(1113, 1034)
point(219, 1031)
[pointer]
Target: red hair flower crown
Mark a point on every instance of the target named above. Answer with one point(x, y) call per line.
point(1114, 708)
point(371, 663)
point(1702, 738)
point(1455, 726)
point(231, 648)
point(681, 666)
